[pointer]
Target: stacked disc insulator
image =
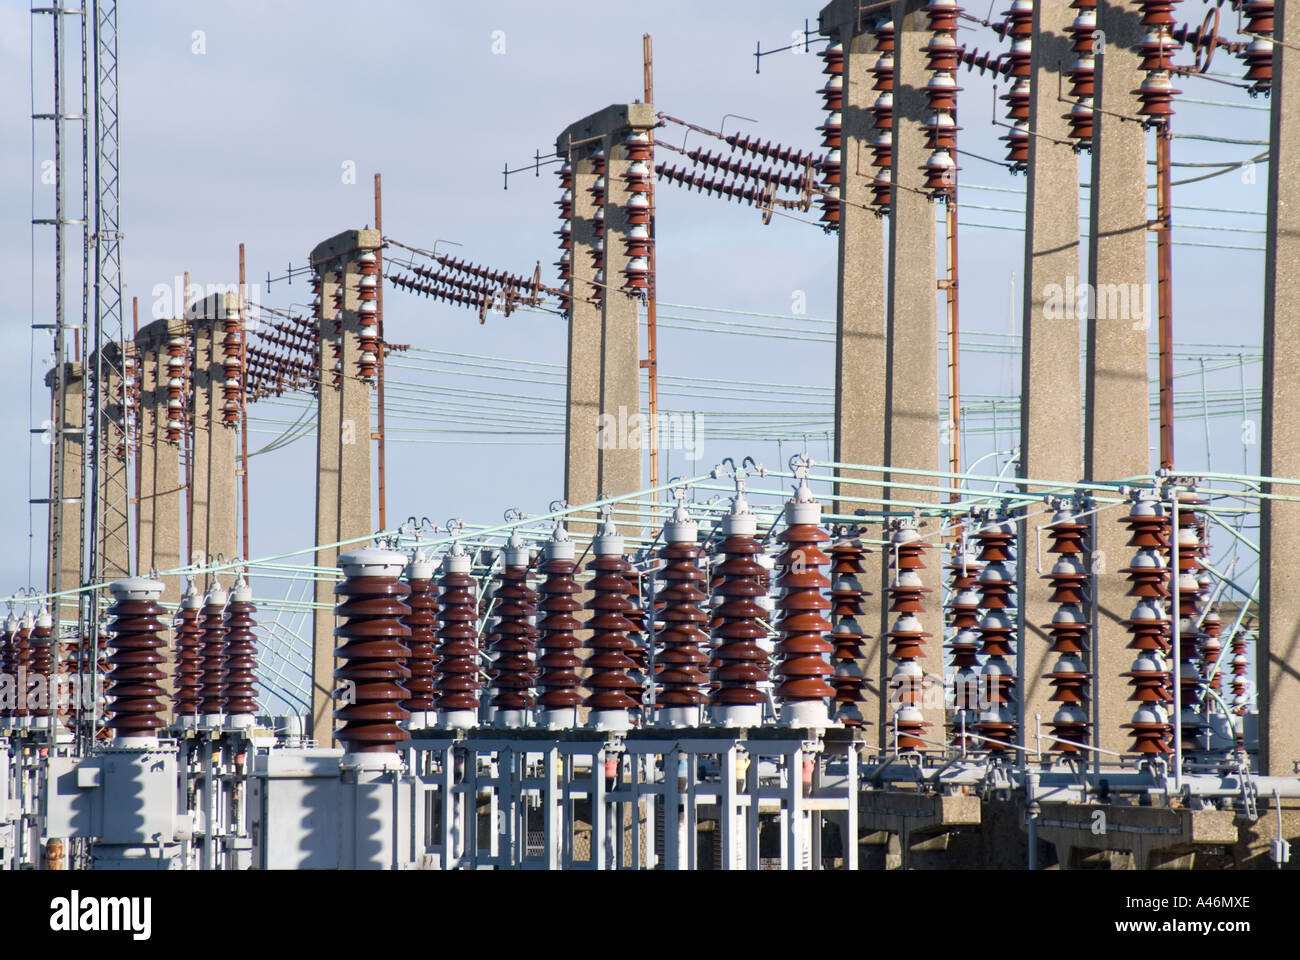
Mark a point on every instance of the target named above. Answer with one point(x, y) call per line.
point(565, 233)
point(906, 636)
point(882, 112)
point(942, 57)
point(557, 643)
point(832, 134)
point(997, 538)
point(368, 316)
point(1259, 51)
point(7, 667)
point(41, 664)
point(134, 688)
point(636, 242)
point(597, 191)
point(513, 642)
point(681, 661)
point(1082, 71)
point(1149, 625)
point(1069, 630)
point(1020, 30)
point(1157, 46)
point(371, 673)
point(803, 650)
point(458, 653)
point(964, 620)
point(639, 634)
point(847, 594)
point(422, 643)
point(241, 657)
point(740, 665)
point(232, 363)
point(177, 356)
point(212, 678)
point(1240, 669)
point(336, 326)
point(613, 691)
point(1191, 550)
point(20, 661)
point(189, 656)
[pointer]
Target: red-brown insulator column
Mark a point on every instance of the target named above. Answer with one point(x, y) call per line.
point(882, 112)
point(1149, 625)
point(803, 649)
point(513, 643)
point(1188, 603)
point(831, 164)
point(20, 662)
point(638, 177)
point(1069, 630)
point(423, 624)
point(1259, 51)
point(847, 594)
point(1082, 71)
point(1157, 47)
point(740, 674)
point(189, 657)
point(241, 658)
point(368, 316)
point(458, 653)
point(370, 672)
point(558, 660)
point(1240, 671)
point(613, 691)
point(1020, 29)
point(639, 634)
point(942, 58)
point(232, 362)
point(964, 619)
point(7, 665)
point(134, 684)
point(681, 661)
point(176, 359)
point(212, 679)
point(906, 637)
point(997, 580)
point(336, 327)
point(41, 664)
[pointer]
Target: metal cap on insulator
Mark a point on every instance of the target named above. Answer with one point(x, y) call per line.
point(421, 566)
point(372, 562)
point(682, 528)
point(559, 547)
point(516, 551)
point(609, 542)
point(216, 595)
point(458, 560)
point(191, 599)
point(241, 592)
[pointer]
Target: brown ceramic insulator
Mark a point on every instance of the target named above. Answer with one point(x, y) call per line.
point(943, 15)
point(739, 664)
point(41, 661)
point(422, 644)
point(1157, 50)
point(20, 664)
point(189, 661)
point(1157, 95)
point(847, 594)
point(231, 367)
point(997, 632)
point(557, 644)
point(1258, 53)
point(1157, 13)
point(372, 653)
point(6, 660)
point(907, 638)
point(882, 112)
point(963, 618)
point(367, 318)
point(802, 650)
point(134, 685)
point(769, 151)
point(176, 375)
point(639, 634)
point(514, 641)
point(241, 655)
point(681, 661)
point(1082, 71)
point(212, 678)
point(458, 653)
point(1240, 667)
point(1149, 626)
point(1070, 679)
point(609, 663)
point(1211, 648)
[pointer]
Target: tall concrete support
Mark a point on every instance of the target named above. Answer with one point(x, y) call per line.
point(860, 342)
point(912, 377)
point(1277, 657)
point(343, 486)
point(1116, 426)
point(146, 356)
point(67, 405)
point(1051, 428)
point(582, 405)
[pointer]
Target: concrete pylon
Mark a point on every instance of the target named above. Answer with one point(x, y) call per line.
point(67, 404)
point(860, 344)
point(1277, 655)
point(215, 520)
point(1116, 424)
point(912, 372)
point(1051, 428)
point(159, 486)
point(343, 477)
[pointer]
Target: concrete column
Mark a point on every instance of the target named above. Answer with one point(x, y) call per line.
point(223, 481)
point(1051, 428)
point(860, 343)
point(1277, 656)
point(327, 516)
point(64, 562)
point(912, 379)
point(1116, 424)
point(200, 428)
point(582, 410)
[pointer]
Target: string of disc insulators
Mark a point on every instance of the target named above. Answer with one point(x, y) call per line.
point(746, 191)
point(41, 646)
point(803, 650)
point(1240, 671)
point(832, 134)
point(906, 636)
point(1069, 630)
point(996, 538)
point(513, 640)
point(212, 676)
point(336, 328)
point(613, 691)
point(1258, 53)
point(964, 568)
point(597, 190)
point(565, 233)
point(188, 653)
point(942, 57)
point(636, 242)
point(232, 365)
point(1082, 71)
point(1191, 548)
point(241, 655)
point(492, 287)
point(134, 688)
point(1157, 45)
point(272, 374)
point(749, 171)
point(681, 661)
point(422, 643)
point(740, 663)
point(1019, 27)
point(458, 654)
point(882, 113)
point(847, 594)
point(368, 316)
point(557, 644)
point(178, 363)
point(8, 658)
point(1149, 625)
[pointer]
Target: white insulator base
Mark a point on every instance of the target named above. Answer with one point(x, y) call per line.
point(189, 722)
point(679, 717)
point(212, 721)
point(738, 715)
point(422, 720)
point(610, 720)
point(240, 721)
point(805, 713)
point(510, 719)
point(457, 719)
point(386, 760)
point(565, 718)
point(135, 743)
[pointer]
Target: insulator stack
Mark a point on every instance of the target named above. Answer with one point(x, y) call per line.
point(368, 316)
point(613, 691)
point(41, 664)
point(134, 683)
point(942, 57)
point(1211, 648)
point(1149, 625)
point(7, 666)
point(964, 620)
point(639, 635)
point(735, 190)
point(832, 130)
point(740, 670)
point(803, 650)
point(847, 594)
point(458, 653)
point(638, 178)
point(906, 636)
point(20, 662)
point(1259, 51)
point(1240, 669)
point(1157, 46)
point(241, 657)
point(565, 233)
point(513, 643)
point(212, 678)
point(1188, 603)
point(423, 624)
point(370, 672)
point(748, 171)
point(997, 579)
point(232, 365)
point(176, 360)
point(882, 111)
point(189, 656)
point(748, 146)
point(1082, 71)
point(1069, 631)
point(681, 660)
point(558, 660)
point(1020, 29)
point(336, 329)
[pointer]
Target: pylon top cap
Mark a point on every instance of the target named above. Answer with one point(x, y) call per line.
point(137, 588)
